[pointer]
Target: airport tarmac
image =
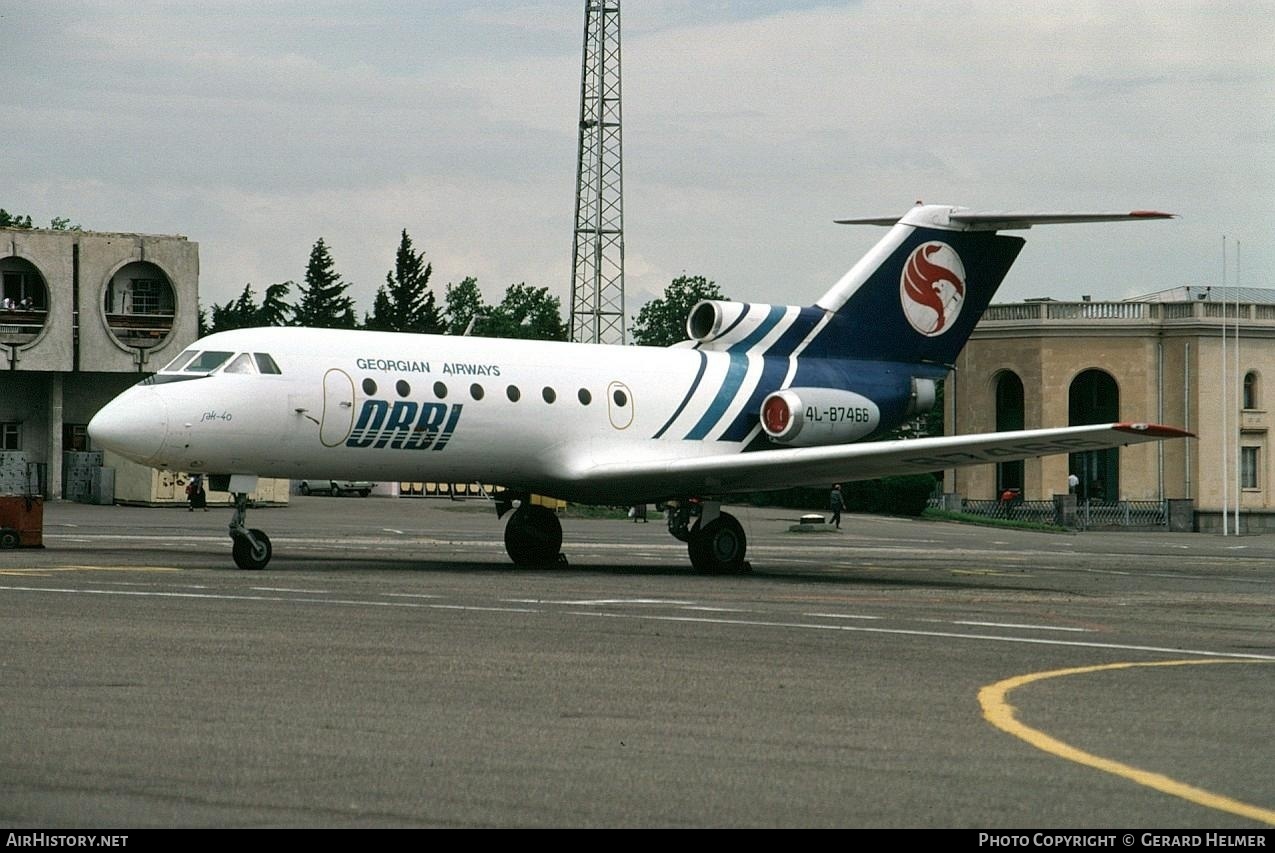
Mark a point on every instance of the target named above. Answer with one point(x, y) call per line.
point(392, 668)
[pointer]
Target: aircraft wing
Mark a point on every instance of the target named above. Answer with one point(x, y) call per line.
point(805, 466)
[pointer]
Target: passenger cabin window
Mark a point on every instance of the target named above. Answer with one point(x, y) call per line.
point(241, 364)
point(266, 364)
point(207, 362)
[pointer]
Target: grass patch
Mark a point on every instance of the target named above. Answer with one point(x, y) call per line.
point(932, 514)
point(585, 511)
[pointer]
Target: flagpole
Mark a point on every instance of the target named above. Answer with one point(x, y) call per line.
point(1239, 396)
point(1225, 433)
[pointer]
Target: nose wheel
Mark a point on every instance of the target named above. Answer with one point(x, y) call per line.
point(249, 546)
point(251, 550)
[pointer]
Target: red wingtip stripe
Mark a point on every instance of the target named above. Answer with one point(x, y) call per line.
point(1152, 214)
point(1156, 430)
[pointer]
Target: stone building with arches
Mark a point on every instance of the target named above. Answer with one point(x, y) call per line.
point(1158, 358)
point(82, 315)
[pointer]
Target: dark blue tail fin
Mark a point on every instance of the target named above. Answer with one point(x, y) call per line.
point(915, 296)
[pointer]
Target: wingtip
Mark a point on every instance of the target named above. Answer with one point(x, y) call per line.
point(1155, 430)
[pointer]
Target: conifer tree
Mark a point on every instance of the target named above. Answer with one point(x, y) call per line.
point(244, 312)
point(405, 302)
point(323, 303)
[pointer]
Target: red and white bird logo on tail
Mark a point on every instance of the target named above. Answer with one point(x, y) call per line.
point(932, 288)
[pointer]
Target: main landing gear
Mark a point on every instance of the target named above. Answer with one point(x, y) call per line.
point(715, 540)
point(251, 547)
point(533, 534)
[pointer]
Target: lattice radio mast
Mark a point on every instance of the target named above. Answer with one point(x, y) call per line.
point(597, 284)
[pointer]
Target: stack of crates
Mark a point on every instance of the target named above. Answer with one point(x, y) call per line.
point(77, 473)
point(13, 473)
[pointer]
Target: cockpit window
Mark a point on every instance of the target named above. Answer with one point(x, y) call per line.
point(265, 363)
point(241, 364)
point(206, 362)
point(180, 361)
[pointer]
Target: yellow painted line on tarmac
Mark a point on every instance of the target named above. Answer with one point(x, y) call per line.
point(46, 571)
point(998, 712)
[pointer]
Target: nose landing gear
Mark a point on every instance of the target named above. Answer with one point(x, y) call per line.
point(250, 547)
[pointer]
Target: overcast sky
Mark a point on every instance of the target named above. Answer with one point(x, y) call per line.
point(255, 128)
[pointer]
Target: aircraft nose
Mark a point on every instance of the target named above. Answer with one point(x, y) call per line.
point(134, 424)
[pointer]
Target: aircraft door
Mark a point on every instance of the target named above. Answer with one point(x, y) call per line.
point(620, 405)
point(338, 408)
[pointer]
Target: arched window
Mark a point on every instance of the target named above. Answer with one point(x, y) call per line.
point(24, 301)
point(1009, 416)
point(139, 303)
point(1094, 398)
point(1251, 387)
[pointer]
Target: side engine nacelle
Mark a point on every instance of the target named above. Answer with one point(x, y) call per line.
point(809, 417)
point(717, 324)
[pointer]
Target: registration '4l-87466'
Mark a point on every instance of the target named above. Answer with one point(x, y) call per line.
point(838, 414)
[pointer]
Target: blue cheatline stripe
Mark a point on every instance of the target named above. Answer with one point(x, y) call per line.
point(735, 374)
point(773, 371)
point(806, 320)
point(703, 364)
point(773, 316)
point(726, 331)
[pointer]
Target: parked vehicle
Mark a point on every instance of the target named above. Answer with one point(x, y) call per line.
point(336, 488)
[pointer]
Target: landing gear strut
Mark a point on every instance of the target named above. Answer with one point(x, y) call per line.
point(715, 541)
point(250, 547)
point(533, 535)
point(681, 517)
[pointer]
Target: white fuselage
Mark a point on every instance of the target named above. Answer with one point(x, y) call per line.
point(385, 406)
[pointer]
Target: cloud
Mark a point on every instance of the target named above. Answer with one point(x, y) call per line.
point(257, 128)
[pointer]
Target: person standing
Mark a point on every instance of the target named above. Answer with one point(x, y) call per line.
point(198, 498)
point(836, 503)
point(1073, 482)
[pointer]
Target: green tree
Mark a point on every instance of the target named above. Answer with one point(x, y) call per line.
point(275, 309)
point(662, 322)
point(13, 220)
point(405, 303)
point(17, 220)
point(61, 223)
point(244, 312)
point(526, 312)
point(324, 304)
point(463, 303)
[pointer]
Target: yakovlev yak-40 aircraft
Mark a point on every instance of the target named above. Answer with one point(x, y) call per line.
point(761, 397)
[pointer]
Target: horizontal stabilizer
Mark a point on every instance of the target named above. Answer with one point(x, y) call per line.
point(964, 219)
